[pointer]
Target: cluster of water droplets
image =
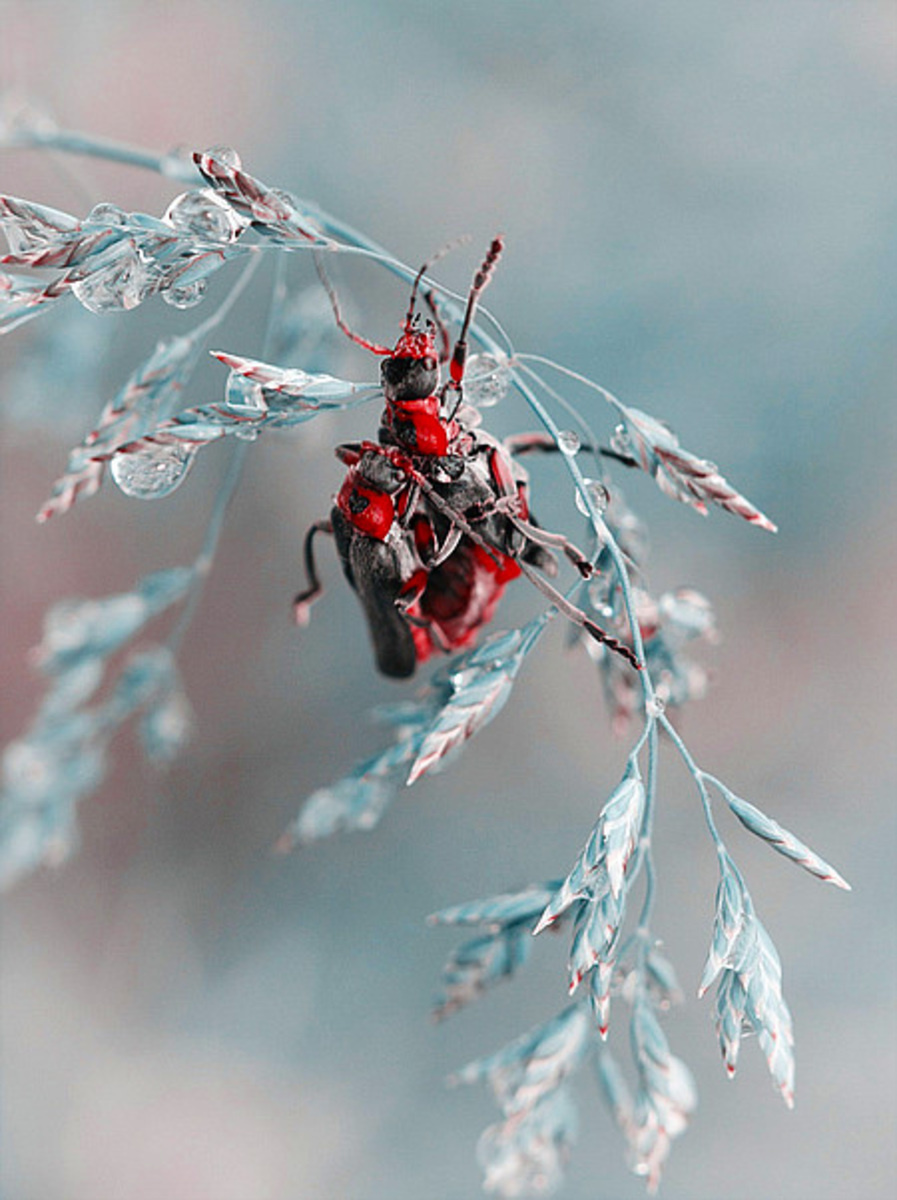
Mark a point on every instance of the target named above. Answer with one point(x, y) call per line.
point(153, 471)
point(167, 727)
point(655, 705)
point(184, 295)
point(123, 282)
point(600, 592)
point(241, 392)
point(107, 215)
point(690, 612)
point(120, 277)
point(19, 238)
point(200, 214)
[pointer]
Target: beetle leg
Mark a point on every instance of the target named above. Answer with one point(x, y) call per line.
point(448, 547)
point(457, 520)
point(306, 599)
point(557, 541)
point(337, 313)
point(578, 617)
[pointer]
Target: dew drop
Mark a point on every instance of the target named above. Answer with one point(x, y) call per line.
point(620, 441)
point(153, 471)
point(598, 599)
point(185, 295)
point(167, 727)
point(655, 706)
point(203, 214)
point(26, 766)
point(19, 239)
point(227, 155)
point(568, 443)
point(288, 199)
point(107, 214)
point(486, 380)
point(121, 284)
point(67, 627)
point(598, 494)
point(463, 679)
point(244, 393)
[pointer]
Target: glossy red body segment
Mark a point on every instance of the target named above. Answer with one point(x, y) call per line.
point(350, 455)
point(371, 511)
point(424, 537)
point(419, 425)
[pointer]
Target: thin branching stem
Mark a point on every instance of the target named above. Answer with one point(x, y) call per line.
point(234, 473)
point(591, 439)
point(214, 320)
point(171, 165)
point(575, 375)
point(644, 921)
point(699, 777)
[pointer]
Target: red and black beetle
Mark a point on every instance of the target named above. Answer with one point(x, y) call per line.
point(432, 520)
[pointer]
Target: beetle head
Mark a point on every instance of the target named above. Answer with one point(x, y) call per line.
point(411, 372)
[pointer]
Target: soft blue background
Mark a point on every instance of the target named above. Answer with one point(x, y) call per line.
point(699, 200)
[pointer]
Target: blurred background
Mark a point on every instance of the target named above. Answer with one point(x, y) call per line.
point(699, 201)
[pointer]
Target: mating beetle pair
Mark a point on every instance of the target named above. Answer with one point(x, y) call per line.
point(432, 520)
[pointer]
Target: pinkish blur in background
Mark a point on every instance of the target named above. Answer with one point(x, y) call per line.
point(700, 203)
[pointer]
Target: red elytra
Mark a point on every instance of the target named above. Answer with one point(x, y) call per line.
point(370, 510)
point(419, 425)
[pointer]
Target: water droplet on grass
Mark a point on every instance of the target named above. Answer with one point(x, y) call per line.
point(621, 443)
point(106, 214)
point(185, 295)
point(121, 284)
point(597, 494)
point(568, 442)
point(486, 380)
point(203, 214)
point(227, 155)
point(153, 471)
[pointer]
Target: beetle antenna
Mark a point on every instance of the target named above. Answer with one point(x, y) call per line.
point(480, 282)
point(337, 315)
point(439, 324)
point(434, 258)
